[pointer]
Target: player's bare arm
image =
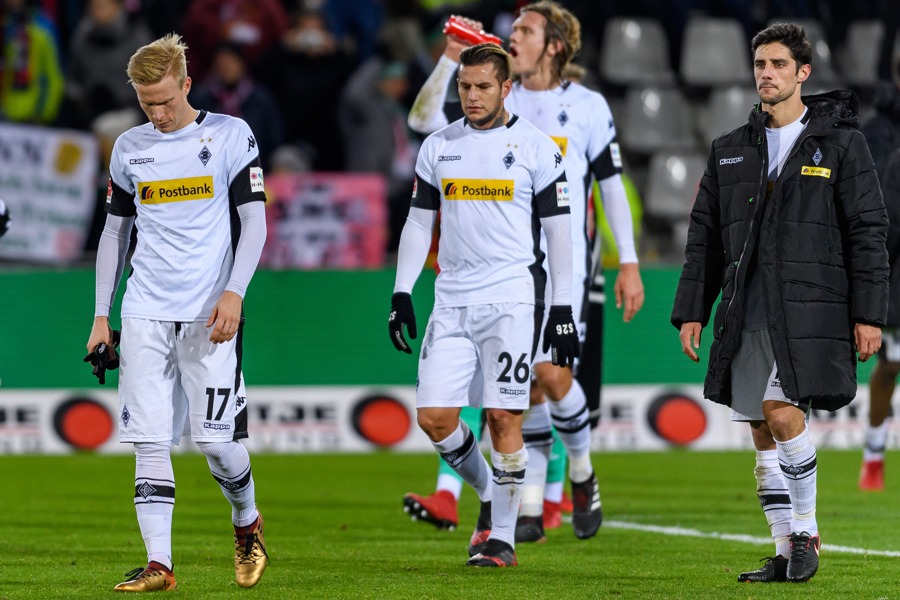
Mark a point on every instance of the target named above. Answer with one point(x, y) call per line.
point(629, 290)
point(868, 340)
point(226, 316)
point(690, 339)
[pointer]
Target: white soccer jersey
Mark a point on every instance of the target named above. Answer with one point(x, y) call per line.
point(183, 187)
point(490, 185)
point(580, 122)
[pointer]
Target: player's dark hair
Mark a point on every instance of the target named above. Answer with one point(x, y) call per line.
point(790, 35)
point(561, 26)
point(480, 54)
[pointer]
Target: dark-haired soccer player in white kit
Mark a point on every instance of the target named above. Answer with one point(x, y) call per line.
point(191, 183)
point(498, 181)
point(545, 38)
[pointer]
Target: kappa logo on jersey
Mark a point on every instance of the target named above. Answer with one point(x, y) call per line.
point(140, 161)
point(562, 193)
point(449, 158)
point(562, 142)
point(557, 158)
point(251, 143)
point(256, 180)
point(205, 155)
point(176, 190)
point(509, 159)
point(731, 161)
point(492, 190)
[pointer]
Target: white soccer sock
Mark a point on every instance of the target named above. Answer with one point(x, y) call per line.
point(538, 436)
point(229, 463)
point(154, 499)
point(571, 419)
point(553, 490)
point(508, 475)
point(797, 458)
point(772, 491)
point(448, 483)
point(876, 441)
point(460, 451)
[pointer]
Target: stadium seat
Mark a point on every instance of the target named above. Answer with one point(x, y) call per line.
point(672, 184)
point(727, 109)
point(715, 52)
point(635, 51)
point(858, 58)
point(655, 118)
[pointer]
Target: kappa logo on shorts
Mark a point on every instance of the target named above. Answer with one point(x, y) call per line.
point(216, 426)
point(512, 392)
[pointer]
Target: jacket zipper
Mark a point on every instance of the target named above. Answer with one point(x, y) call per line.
point(761, 194)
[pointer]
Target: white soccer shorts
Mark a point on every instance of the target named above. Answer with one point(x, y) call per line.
point(173, 381)
point(478, 356)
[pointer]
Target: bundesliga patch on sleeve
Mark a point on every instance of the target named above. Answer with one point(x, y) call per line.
point(616, 155)
point(415, 186)
point(256, 180)
point(562, 193)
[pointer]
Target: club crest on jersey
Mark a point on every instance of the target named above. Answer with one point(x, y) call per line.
point(256, 180)
point(563, 118)
point(491, 190)
point(205, 155)
point(562, 193)
point(176, 190)
point(817, 157)
point(509, 159)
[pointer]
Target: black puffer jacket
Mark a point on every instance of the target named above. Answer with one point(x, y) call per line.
point(820, 239)
point(890, 187)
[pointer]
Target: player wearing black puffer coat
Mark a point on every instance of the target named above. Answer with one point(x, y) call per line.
point(820, 238)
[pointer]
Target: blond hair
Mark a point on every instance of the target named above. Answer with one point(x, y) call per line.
point(561, 26)
point(153, 62)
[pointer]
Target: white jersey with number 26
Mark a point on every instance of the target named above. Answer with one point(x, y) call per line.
point(492, 187)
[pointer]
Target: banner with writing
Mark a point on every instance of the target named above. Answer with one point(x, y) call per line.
point(48, 178)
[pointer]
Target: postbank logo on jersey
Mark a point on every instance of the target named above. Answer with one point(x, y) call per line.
point(176, 190)
point(490, 190)
point(562, 142)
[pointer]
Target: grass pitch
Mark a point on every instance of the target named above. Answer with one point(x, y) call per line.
point(335, 529)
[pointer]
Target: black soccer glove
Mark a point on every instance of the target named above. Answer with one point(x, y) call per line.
point(402, 314)
point(562, 336)
point(103, 357)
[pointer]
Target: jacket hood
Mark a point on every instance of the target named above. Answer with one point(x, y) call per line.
point(838, 107)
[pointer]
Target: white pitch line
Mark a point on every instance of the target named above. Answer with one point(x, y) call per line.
point(731, 537)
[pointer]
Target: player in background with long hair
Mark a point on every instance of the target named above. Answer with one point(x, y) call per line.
point(545, 38)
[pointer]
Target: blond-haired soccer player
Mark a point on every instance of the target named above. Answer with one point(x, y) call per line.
point(190, 181)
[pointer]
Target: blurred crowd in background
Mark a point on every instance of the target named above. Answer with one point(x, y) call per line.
point(326, 85)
